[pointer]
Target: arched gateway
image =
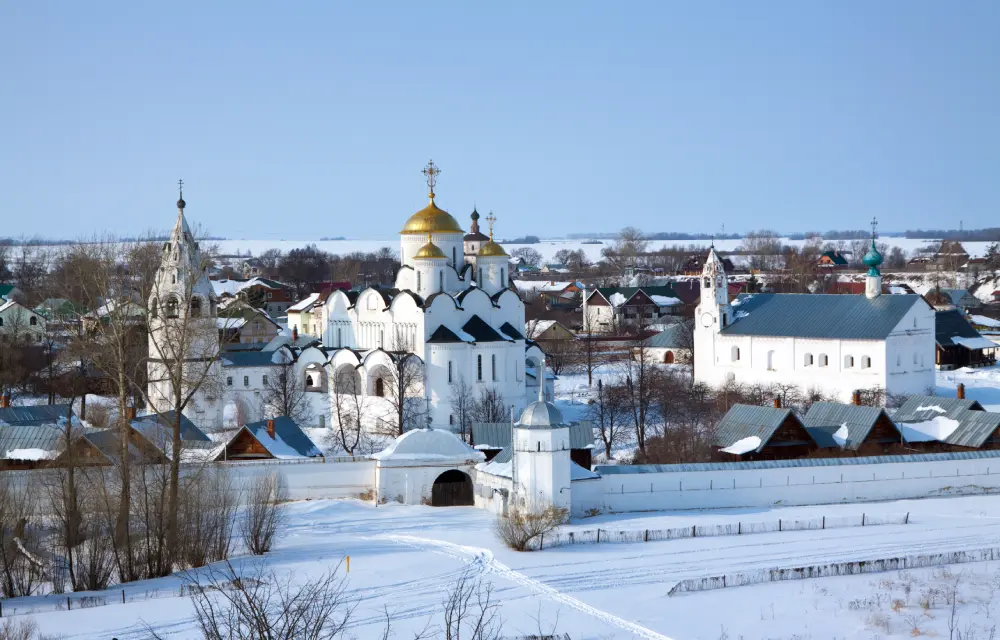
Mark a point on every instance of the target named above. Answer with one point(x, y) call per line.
point(452, 488)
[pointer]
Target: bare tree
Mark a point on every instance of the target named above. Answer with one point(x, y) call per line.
point(490, 406)
point(406, 385)
point(285, 394)
point(264, 515)
point(349, 406)
point(763, 248)
point(258, 604)
point(462, 404)
point(639, 373)
point(470, 610)
point(609, 413)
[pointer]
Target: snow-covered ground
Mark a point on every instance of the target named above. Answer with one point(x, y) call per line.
point(406, 558)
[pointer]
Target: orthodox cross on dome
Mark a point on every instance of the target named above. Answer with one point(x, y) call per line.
point(431, 171)
point(180, 188)
point(491, 219)
point(874, 224)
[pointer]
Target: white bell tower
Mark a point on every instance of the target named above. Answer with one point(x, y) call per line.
point(713, 314)
point(182, 328)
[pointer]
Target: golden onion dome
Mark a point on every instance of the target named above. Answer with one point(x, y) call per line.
point(430, 251)
point(492, 250)
point(431, 219)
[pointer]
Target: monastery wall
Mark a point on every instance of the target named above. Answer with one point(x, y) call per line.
point(804, 485)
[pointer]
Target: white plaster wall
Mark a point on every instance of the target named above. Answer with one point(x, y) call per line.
point(410, 485)
point(543, 466)
point(792, 486)
point(313, 480)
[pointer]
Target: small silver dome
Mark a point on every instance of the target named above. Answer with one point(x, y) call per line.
point(541, 414)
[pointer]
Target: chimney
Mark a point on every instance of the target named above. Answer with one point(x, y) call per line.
point(856, 398)
point(295, 333)
point(961, 391)
point(777, 402)
point(5, 400)
point(270, 428)
point(130, 413)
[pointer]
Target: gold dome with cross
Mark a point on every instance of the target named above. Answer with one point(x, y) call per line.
point(491, 249)
point(430, 251)
point(431, 219)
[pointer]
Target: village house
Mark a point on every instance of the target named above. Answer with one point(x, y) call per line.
point(543, 331)
point(615, 309)
point(308, 316)
point(270, 439)
point(672, 345)
point(240, 323)
point(273, 297)
point(751, 432)
point(831, 260)
point(21, 323)
point(958, 344)
point(851, 429)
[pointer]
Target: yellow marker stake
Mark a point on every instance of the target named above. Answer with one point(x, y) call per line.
point(348, 564)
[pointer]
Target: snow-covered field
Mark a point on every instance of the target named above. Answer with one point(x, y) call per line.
point(406, 558)
point(547, 248)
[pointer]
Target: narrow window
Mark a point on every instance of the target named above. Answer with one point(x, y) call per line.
point(451, 419)
point(229, 381)
point(154, 309)
point(866, 362)
point(914, 358)
point(808, 360)
point(848, 362)
point(172, 308)
point(479, 368)
point(770, 360)
point(380, 387)
point(480, 276)
point(33, 321)
point(503, 277)
point(418, 282)
point(322, 422)
point(823, 360)
point(263, 380)
point(246, 381)
point(196, 307)
point(735, 354)
point(493, 366)
point(454, 258)
point(339, 343)
point(449, 372)
point(440, 280)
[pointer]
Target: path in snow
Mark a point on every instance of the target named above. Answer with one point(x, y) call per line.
point(484, 558)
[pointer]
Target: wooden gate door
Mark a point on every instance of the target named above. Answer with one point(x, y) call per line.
point(452, 489)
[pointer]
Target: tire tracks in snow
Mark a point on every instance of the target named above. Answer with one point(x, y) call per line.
point(487, 563)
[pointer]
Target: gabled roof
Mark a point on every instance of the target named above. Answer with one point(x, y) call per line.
point(304, 305)
point(509, 330)
point(818, 315)
point(835, 257)
point(289, 440)
point(35, 442)
point(150, 424)
point(482, 332)
point(974, 428)
point(959, 295)
point(923, 408)
point(34, 415)
point(247, 358)
point(845, 426)
point(665, 291)
point(675, 336)
point(744, 421)
point(443, 335)
point(950, 324)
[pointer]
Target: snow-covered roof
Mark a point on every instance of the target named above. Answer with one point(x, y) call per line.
point(429, 445)
point(304, 304)
point(984, 321)
point(975, 343)
point(745, 445)
point(665, 301)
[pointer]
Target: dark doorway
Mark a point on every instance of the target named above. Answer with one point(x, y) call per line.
point(452, 489)
point(668, 358)
point(380, 387)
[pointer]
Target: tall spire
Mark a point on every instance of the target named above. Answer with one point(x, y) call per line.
point(541, 380)
point(180, 195)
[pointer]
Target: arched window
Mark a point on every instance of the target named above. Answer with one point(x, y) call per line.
point(866, 362)
point(418, 282)
point(33, 321)
point(479, 368)
point(172, 307)
point(770, 360)
point(808, 360)
point(309, 380)
point(735, 353)
point(380, 387)
point(195, 307)
point(823, 360)
point(848, 362)
point(229, 381)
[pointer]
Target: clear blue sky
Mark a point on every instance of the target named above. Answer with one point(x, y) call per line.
point(308, 119)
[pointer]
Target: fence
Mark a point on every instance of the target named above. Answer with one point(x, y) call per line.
point(598, 536)
point(834, 569)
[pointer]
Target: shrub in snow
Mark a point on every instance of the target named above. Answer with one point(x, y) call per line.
point(263, 515)
point(523, 528)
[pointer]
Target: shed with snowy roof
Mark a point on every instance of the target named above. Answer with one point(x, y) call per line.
point(426, 466)
point(272, 439)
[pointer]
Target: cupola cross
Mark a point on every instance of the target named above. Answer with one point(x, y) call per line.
point(874, 225)
point(431, 171)
point(491, 219)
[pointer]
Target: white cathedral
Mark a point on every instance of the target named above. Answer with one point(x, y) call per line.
point(836, 344)
point(451, 308)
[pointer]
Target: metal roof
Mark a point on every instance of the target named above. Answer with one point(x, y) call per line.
point(922, 408)
point(817, 315)
point(247, 358)
point(791, 464)
point(481, 331)
point(676, 336)
point(827, 418)
point(34, 414)
point(47, 437)
point(443, 335)
point(974, 427)
point(950, 324)
point(287, 431)
point(748, 420)
point(148, 424)
point(497, 434)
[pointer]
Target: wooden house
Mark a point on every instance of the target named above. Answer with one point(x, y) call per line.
point(831, 260)
point(958, 344)
point(751, 432)
point(852, 429)
point(272, 439)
